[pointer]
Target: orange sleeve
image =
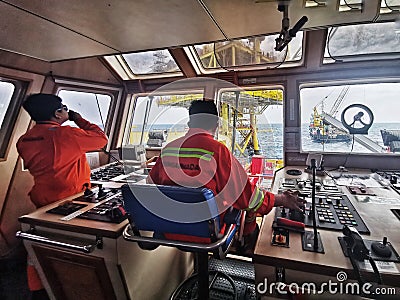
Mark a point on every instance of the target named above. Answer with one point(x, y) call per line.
point(238, 187)
point(89, 136)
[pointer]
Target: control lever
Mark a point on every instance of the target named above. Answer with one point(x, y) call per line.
point(88, 193)
point(101, 194)
point(381, 248)
point(290, 223)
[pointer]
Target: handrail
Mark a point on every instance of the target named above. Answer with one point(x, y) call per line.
point(41, 239)
point(173, 243)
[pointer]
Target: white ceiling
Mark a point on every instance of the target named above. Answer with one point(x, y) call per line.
point(54, 30)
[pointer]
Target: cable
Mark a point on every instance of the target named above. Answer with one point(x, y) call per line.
point(112, 156)
point(356, 267)
point(391, 8)
point(375, 268)
point(319, 4)
point(340, 168)
point(216, 59)
point(348, 154)
point(98, 106)
point(282, 61)
point(328, 41)
point(349, 6)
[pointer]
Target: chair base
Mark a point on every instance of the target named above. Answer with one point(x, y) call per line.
point(221, 286)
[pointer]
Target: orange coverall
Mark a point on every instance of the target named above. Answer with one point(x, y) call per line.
point(198, 160)
point(55, 156)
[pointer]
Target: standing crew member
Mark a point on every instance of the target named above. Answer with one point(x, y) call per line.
point(55, 154)
point(198, 160)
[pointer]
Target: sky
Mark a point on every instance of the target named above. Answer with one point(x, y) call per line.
point(382, 98)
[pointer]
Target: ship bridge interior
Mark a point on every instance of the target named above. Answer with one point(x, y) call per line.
point(294, 81)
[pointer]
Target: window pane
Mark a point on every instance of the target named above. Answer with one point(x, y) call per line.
point(6, 92)
point(93, 107)
point(151, 62)
point(319, 132)
point(255, 127)
point(389, 6)
point(249, 51)
point(354, 40)
point(158, 119)
point(346, 5)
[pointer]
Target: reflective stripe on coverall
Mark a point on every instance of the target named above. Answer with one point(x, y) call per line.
point(197, 159)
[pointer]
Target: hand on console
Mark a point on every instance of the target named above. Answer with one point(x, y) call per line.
point(290, 200)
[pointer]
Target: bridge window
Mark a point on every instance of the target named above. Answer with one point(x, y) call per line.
point(158, 119)
point(6, 92)
point(252, 123)
point(147, 64)
point(346, 5)
point(321, 115)
point(10, 99)
point(390, 6)
point(94, 107)
point(358, 42)
point(252, 51)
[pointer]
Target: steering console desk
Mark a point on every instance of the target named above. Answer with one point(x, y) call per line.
point(291, 264)
point(76, 244)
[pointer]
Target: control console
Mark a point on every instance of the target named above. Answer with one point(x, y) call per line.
point(108, 207)
point(116, 172)
point(333, 209)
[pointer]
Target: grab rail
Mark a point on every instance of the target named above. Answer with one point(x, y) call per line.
point(41, 239)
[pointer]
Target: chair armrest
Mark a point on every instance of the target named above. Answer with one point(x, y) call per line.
point(130, 236)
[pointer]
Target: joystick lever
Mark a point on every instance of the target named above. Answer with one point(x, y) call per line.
point(101, 193)
point(381, 248)
point(88, 193)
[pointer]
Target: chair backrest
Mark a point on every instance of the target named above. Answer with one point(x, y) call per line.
point(172, 209)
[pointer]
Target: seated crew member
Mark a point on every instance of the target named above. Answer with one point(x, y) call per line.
point(198, 160)
point(55, 154)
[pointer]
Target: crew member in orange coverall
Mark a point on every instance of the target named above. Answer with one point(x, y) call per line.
point(55, 156)
point(198, 160)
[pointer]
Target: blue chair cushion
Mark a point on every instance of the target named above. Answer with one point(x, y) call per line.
point(172, 209)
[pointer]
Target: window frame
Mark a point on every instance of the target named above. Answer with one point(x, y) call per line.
point(10, 117)
point(119, 63)
point(351, 82)
point(115, 93)
point(256, 88)
point(133, 103)
point(326, 60)
point(198, 66)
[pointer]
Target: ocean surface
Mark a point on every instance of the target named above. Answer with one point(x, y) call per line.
point(271, 140)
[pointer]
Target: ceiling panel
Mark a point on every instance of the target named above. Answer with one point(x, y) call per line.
point(27, 34)
point(129, 25)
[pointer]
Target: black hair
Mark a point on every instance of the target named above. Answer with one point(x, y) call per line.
point(203, 114)
point(41, 107)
